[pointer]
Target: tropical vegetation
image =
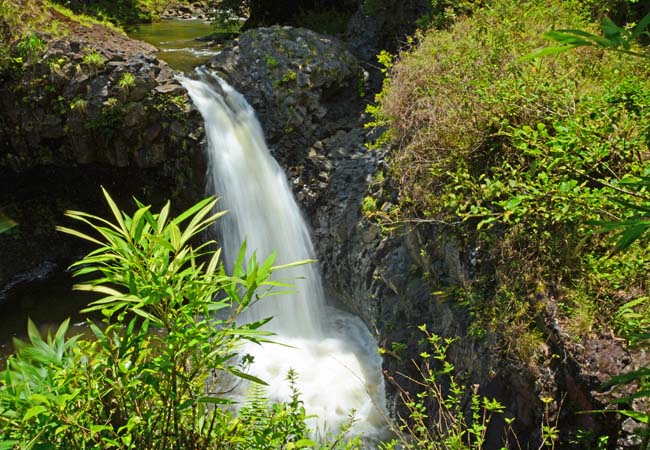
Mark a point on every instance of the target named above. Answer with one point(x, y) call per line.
point(155, 370)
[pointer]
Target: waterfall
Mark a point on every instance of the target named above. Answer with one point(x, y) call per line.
point(331, 351)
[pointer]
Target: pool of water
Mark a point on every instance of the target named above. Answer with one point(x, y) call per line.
point(47, 301)
point(176, 41)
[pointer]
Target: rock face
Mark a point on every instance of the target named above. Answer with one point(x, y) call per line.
point(97, 108)
point(304, 87)
point(194, 10)
point(313, 118)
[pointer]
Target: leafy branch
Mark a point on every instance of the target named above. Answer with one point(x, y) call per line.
point(614, 37)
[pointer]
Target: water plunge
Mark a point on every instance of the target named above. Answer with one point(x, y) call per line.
point(332, 352)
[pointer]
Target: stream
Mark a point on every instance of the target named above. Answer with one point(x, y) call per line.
point(177, 41)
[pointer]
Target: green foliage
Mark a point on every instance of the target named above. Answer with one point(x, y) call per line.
point(227, 13)
point(127, 81)
point(118, 12)
point(613, 37)
point(524, 153)
point(156, 372)
point(152, 374)
point(639, 380)
point(93, 60)
point(445, 12)
point(369, 205)
point(6, 223)
point(271, 61)
point(30, 47)
point(80, 105)
point(437, 419)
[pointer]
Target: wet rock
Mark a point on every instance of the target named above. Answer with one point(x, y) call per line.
point(170, 88)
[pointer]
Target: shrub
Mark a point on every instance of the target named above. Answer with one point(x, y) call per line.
point(524, 154)
point(93, 60)
point(152, 376)
point(127, 81)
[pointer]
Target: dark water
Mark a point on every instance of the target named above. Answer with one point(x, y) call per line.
point(176, 41)
point(47, 301)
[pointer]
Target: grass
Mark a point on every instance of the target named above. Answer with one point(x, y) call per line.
point(120, 13)
point(93, 59)
point(127, 81)
point(520, 156)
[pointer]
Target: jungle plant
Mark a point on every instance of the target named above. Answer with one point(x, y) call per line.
point(93, 60)
point(630, 194)
point(79, 104)
point(153, 374)
point(614, 37)
point(29, 48)
point(127, 81)
point(436, 418)
point(521, 155)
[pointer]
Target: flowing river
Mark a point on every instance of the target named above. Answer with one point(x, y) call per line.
point(331, 351)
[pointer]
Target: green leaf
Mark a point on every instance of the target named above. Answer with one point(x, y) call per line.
point(62, 330)
point(626, 377)
point(32, 332)
point(101, 289)
point(641, 27)
point(6, 223)
point(246, 376)
point(569, 37)
point(34, 411)
point(162, 217)
point(94, 429)
point(638, 394)
point(138, 223)
point(304, 443)
point(8, 445)
point(636, 415)
point(216, 400)
point(197, 207)
point(175, 236)
point(293, 264)
point(78, 234)
point(629, 235)
point(116, 212)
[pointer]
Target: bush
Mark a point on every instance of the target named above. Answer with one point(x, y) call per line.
point(154, 373)
point(523, 154)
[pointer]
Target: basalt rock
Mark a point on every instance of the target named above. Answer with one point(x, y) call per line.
point(304, 87)
point(96, 108)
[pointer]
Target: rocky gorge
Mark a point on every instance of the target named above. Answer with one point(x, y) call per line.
point(120, 119)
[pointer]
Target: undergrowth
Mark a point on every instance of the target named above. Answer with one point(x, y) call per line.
point(524, 155)
point(156, 372)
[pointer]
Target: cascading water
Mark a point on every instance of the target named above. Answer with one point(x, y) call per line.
point(331, 351)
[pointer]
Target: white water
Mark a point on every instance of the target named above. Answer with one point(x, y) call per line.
point(332, 352)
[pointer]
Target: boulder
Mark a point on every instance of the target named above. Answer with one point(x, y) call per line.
point(304, 87)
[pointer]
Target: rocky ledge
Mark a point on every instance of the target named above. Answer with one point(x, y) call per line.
point(304, 87)
point(95, 108)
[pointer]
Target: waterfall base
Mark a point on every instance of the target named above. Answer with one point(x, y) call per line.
point(337, 377)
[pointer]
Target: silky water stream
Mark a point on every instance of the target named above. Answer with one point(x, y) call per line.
point(332, 352)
